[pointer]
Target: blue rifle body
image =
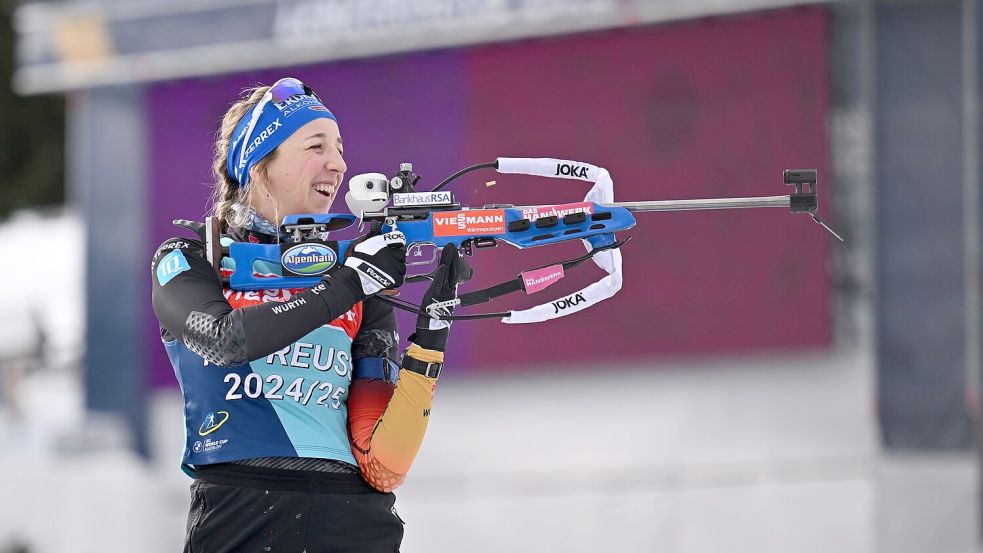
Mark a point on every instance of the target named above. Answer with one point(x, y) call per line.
point(426, 226)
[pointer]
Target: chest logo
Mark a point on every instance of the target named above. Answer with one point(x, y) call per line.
point(309, 259)
point(212, 422)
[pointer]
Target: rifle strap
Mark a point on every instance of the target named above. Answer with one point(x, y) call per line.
point(609, 260)
point(526, 281)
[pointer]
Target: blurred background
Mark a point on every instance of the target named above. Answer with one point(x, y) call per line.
point(756, 385)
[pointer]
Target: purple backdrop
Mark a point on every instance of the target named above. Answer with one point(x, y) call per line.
point(699, 109)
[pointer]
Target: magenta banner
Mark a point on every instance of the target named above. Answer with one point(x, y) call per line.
point(712, 108)
point(703, 109)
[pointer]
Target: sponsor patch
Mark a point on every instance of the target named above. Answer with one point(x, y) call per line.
point(381, 278)
point(210, 445)
point(178, 245)
point(287, 306)
point(308, 259)
point(571, 170)
point(558, 211)
point(568, 302)
point(258, 140)
point(540, 279)
point(472, 222)
point(406, 199)
point(171, 266)
point(295, 103)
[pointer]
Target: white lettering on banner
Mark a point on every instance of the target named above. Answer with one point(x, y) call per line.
point(547, 278)
point(463, 221)
point(535, 281)
point(558, 211)
point(571, 170)
point(311, 259)
point(422, 198)
point(468, 222)
point(568, 302)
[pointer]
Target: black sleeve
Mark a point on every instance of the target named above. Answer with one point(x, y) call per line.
point(378, 336)
point(190, 305)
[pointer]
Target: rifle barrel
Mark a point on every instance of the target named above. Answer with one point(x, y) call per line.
point(709, 203)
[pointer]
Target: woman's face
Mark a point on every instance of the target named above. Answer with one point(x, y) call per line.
point(305, 174)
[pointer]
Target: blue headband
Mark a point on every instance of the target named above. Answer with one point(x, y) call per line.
point(287, 106)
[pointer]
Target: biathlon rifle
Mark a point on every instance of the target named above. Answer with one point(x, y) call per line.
point(433, 218)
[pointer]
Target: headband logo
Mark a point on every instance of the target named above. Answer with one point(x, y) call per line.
point(258, 141)
point(295, 103)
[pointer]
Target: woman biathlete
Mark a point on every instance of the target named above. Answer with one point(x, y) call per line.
point(300, 415)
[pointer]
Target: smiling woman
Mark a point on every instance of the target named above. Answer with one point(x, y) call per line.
point(290, 397)
point(299, 174)
point(306, 173)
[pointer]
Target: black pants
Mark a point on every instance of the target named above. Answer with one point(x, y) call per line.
point(246, 509)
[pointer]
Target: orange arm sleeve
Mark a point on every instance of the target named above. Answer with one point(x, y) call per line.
point(387, 422)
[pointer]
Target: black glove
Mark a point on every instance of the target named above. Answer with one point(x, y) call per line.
point(452, 270)
point(380, 261)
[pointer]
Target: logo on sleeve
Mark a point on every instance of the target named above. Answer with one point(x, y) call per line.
point(177, 245)
point(171, 266)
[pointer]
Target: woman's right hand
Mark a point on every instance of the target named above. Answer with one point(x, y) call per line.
point(451, 271)
point(380, 261)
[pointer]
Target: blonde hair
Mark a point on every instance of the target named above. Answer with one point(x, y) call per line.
point(225, 190)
